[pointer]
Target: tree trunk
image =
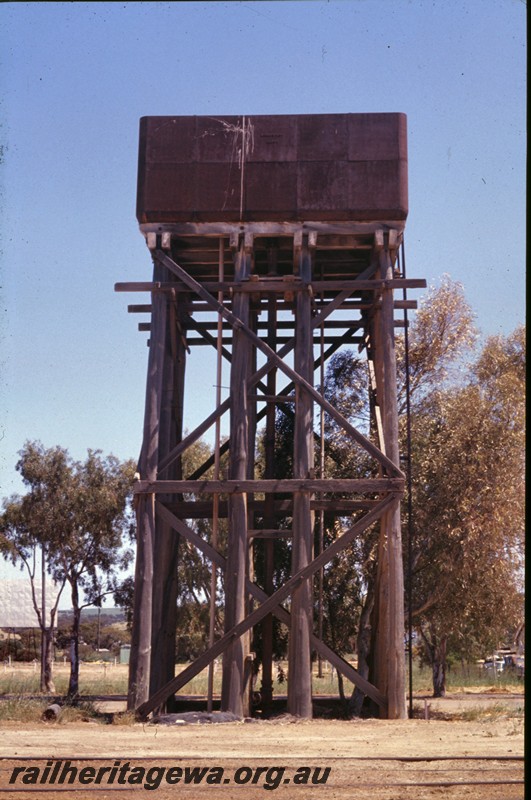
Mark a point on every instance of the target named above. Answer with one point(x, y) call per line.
point(436, 650)
point(47, 682)
point(73, 685)
point(341, 689)
point(438, 666)
point(363, 646)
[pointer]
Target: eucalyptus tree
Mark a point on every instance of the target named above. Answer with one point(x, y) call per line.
point(468, 498)
point(79, 513)
point(439, 338)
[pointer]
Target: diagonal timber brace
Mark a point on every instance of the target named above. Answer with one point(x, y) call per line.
point(253, 380)
point(274, 359)
point(268, 605)
point(204, 333)
point(259, 594)
point(344, 339)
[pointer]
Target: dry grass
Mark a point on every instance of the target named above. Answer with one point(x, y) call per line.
point(124, 718)
point(94, 679)
point(28, 709)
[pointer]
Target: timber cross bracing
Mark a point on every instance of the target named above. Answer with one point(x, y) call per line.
point(387, 487)
point(277, 290)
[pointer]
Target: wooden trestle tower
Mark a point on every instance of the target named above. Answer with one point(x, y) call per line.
point(280, 233)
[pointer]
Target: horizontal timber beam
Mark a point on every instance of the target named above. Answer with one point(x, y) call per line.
point(277, 286)
point(270, 486)
point(286, 325)
point(199, 341)
point(273, 398)
point(204, 509)
point(264, 228)
point(269, 533)
point(260, 304)
point(202, 341)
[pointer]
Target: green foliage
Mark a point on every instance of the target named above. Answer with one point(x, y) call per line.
point(346, 386)
point(343, 591)
point(106, 634)
point(25, 645)
point(468, 496)
point(440, 336)
point(79, 514)
point(123, 597)
point(283, 468)
point(193, 569)
point(192, 630)
point(77, 511)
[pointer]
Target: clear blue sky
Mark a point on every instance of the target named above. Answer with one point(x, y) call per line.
point(76, 78)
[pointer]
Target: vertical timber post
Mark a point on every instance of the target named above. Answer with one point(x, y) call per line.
point(269, 520)
point(233, 681)
point(395, 646)
point(299, 664)
point(251, 433)
point(166, 545)
point(140, 663)
point(380, 613)
point(215, 499)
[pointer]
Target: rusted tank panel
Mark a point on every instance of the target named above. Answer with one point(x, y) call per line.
point(272, 168)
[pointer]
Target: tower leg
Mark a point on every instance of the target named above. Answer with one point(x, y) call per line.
point(389, 657)
point(233, 680)
point(395, 647)
point(140, 662)
point(166, 547)
point(300, 665)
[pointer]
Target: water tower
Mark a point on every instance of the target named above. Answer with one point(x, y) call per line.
point(274, 240)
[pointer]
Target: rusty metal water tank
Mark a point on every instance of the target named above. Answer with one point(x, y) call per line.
point(279, 168)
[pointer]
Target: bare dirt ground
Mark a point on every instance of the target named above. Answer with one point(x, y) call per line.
point(415, 759)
